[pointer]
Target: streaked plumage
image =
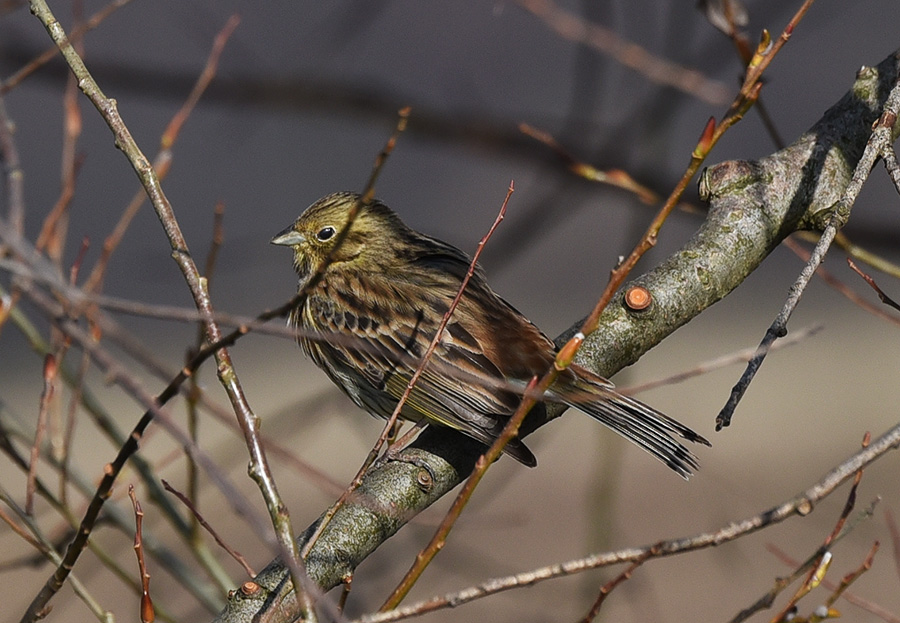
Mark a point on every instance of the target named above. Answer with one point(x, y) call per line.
point(370, 318)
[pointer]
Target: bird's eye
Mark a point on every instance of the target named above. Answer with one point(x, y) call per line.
point(326, 233)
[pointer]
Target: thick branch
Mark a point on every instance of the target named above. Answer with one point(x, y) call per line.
point(753, 207)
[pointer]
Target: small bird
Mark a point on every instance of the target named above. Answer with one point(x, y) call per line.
point(373, 311)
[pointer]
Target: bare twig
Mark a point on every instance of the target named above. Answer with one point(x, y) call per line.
point(607, 588)
point(816, 565)
point(879, 142)
point(46, 548)
point(115, 374)
point(839, 285)
point(848, 596)
point(47, 55)
point(884, 297)
point(231, 551)
point(147, 613)
point(424, 558)
point(895, 538)
point(163, 161)
point(851, 577)
point(40, 429)
point(613, 177)
point(704, 367)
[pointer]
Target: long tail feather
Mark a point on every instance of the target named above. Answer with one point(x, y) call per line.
point(649, 429)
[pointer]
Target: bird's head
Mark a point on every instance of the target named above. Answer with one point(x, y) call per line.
point(369, 244)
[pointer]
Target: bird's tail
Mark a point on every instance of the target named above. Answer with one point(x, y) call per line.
point(651, 430)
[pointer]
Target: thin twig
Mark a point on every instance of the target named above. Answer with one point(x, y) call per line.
point(884, 297)
point(704, 367)
point(163, 161)
point(116, 374)
point(424, 558)
point(147, 613)
point(231, 551)
point(108, 110)
point(40, 429)
point(607, 588)
point(877, 144)
point(848, 596)
point(839, 286)
point(816, 565)
point(46, 548)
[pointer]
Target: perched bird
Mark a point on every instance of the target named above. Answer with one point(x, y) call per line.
point(370, 316)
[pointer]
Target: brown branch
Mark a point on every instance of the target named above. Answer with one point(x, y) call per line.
point(163, 161)
point(852, 598)
point(838, 285)
point(40, 429)
point(819, 562)
point(259, 469)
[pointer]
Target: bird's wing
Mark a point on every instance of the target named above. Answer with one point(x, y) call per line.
point(460, 387)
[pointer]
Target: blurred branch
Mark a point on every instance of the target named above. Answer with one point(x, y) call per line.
point(77, 32)
point(656, 69)
point(46, 548)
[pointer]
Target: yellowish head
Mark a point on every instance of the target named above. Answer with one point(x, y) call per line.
point(370, 242)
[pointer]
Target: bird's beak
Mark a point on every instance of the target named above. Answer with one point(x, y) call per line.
point(288, 237)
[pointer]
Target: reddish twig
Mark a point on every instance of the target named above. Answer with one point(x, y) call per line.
point(839, 286)
point(424, 558)
point(231, 551)
point(884, 297)
point(40, 429)
point(895, 537)
point(607, 588)
point(613, 177)
point(147, 613)
point(163, 161)
point(815, 566)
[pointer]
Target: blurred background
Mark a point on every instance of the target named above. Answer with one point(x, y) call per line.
point(304, 97)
